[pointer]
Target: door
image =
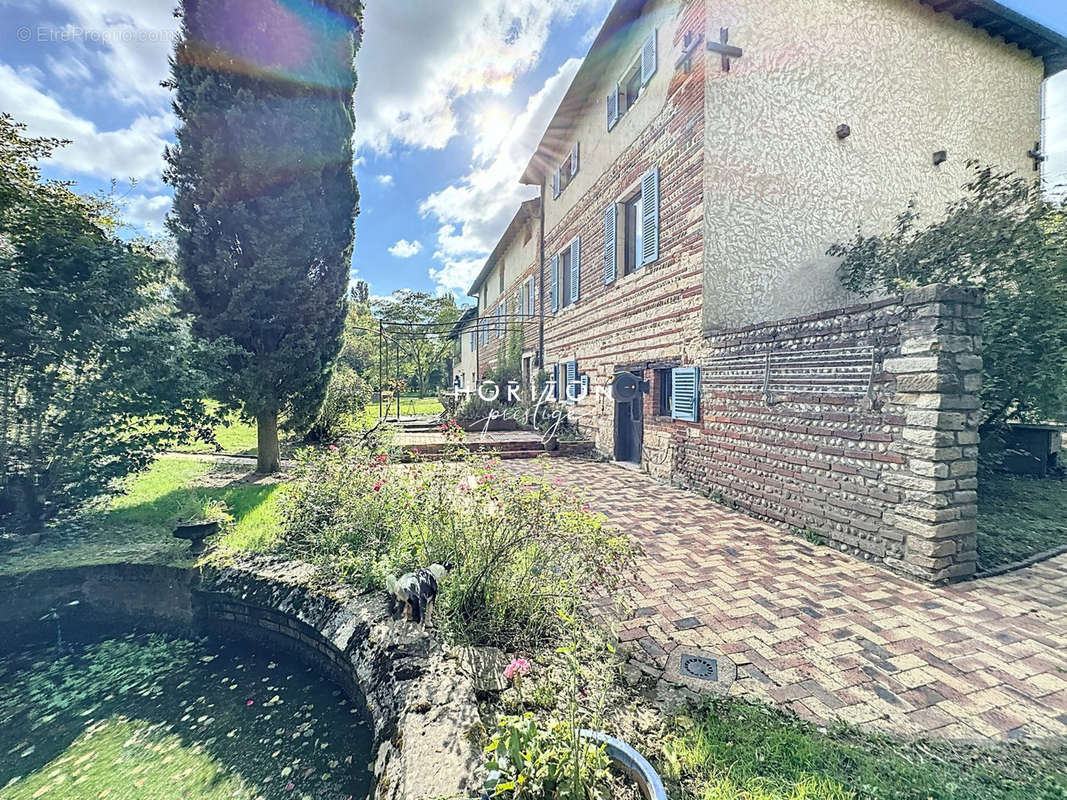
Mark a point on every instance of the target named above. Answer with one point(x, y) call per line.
point(630, 426)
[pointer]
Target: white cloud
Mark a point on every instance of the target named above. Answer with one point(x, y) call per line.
point(405, 249)
point(129, 40)
point(419, 58)
point(148, 212)
point(384, 180)
point(456, 275)
point(132, 152)
point(68, 70)
point(1056, 130)
point(475, 210)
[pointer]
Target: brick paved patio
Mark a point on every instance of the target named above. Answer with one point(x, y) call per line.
point(827, 635)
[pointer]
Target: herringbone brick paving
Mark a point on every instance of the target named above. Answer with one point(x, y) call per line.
point(828, 635)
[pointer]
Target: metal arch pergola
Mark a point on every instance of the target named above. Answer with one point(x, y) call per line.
point(392, 333)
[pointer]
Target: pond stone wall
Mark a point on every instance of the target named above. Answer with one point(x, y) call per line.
point(421, 704)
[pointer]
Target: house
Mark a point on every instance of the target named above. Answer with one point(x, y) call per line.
point(702, 161)
point(465, 349)
point(507, 291)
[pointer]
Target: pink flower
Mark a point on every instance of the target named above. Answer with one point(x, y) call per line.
point(518, 667)
point(251, 702)
point(333, 448)
point(290, 786)
point(378, 485)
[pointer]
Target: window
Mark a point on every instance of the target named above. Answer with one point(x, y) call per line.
point(631, 89)
point(663, 379)
point(530, 296)
point(633, 232)
point(565, 172)
point(685, 394)
point(631, 229)
point(565, 276)
point(634, 80)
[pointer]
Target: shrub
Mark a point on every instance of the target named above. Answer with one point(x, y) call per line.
point(98, 371)
point(346, 398)
point(1005, 237)
point(523, 550)
point(474, 408)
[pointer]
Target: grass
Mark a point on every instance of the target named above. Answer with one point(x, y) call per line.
point(136, 526)
point(410, 405)
point(735, 750)
point(1019, 517)
point(146, 718)
point(238, 435)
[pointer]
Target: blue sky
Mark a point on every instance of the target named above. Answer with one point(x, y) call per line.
point(452, 99)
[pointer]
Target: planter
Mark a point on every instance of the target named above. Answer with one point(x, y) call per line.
point(626, 760)
point(196, 532)
point(629, 761)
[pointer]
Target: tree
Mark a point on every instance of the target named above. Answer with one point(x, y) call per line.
point(421, 323)
point(1005, 237)
point(265, 196)
point(98, 372)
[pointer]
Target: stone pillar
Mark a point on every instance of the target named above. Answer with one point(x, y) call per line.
point(938, 378)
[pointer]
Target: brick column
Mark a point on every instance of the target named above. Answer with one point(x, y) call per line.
point(933, 530)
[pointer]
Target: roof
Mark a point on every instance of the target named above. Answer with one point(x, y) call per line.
point(469, 313)
point(988, 15)
point(1011, 26)
point(529, 209)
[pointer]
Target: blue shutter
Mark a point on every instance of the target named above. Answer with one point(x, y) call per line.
point(574, 160)
point(685, 393)
point(613, 108)
point(611, 217)
point(650, 216)
point(648, 58)
point(576, 269)
point(555, 381)
point(555, 183)
point(530, 296)
point(570, 393)
point(553, 284)
point(585, 386)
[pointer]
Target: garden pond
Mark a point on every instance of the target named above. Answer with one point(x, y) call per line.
point(151, 717)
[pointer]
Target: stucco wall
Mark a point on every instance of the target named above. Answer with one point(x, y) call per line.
point(779, 185)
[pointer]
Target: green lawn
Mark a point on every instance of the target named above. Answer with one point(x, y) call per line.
point(136, 526)
point(238, 436)
point(410, 406)
point(734, 750)
point(1019, 517)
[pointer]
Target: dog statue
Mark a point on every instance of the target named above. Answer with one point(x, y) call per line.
point(417, 591)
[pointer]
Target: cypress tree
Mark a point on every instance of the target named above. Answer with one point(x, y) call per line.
point(265, 195)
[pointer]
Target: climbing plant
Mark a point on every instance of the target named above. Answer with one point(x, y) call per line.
point(1004, 236)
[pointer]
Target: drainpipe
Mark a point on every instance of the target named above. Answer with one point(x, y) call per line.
point(541, 281)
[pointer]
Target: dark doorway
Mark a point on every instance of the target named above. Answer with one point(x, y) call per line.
point(630, 426)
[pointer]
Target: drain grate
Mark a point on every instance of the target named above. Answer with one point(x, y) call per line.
point(705, 669)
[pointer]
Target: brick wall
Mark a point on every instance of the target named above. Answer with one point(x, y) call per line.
point(889, 475)
point(647, 316)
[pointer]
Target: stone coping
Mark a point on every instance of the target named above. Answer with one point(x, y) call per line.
point(420, 702)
